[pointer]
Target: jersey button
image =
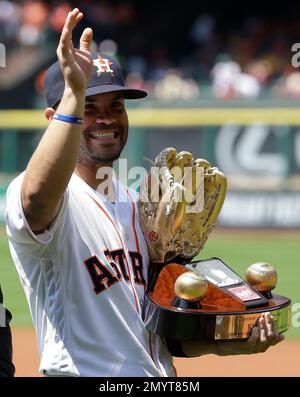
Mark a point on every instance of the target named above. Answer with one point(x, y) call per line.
point(126, 236)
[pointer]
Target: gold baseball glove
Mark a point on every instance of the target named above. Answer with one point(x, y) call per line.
point(180, 200)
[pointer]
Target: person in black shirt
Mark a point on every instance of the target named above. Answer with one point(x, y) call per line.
point(7, 368)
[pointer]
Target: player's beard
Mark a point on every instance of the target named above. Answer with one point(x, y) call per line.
point(87, 154)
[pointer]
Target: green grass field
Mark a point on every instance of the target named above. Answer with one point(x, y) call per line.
point(237, 249)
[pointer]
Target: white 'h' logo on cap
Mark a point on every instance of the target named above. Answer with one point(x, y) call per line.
point(103, 65)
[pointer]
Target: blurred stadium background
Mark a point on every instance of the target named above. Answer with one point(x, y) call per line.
point(221, 84)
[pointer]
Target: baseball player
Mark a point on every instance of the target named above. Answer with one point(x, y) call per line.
point(82, 259)
point(7, 368)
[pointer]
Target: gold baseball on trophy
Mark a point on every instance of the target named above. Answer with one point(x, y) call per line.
point(262, 276)
point(190, 286)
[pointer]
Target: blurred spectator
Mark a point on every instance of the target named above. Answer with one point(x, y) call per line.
point(58, 16)
point(9, 21)
point(136, 63)
point(288, 87)
point(124, 13)
point(174, 87)
point(230, 83)
point(108, 47)
point(292, 85)
point(262, 70)
point(174, 54)
point(34, 18)
point(203, 28)
point(246, 87)
point(223, 76)
point(136, 80)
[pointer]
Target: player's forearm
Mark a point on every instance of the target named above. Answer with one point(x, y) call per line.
point(52, 164)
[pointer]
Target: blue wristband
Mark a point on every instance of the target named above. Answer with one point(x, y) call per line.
point(67, 119)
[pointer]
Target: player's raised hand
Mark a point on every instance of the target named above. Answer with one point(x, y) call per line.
point(76, 63)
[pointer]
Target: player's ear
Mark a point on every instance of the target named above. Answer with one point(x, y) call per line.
point(49, 112)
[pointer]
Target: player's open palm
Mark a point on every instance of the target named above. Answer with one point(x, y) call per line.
point(76, 63)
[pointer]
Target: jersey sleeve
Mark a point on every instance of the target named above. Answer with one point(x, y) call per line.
point(18, 229)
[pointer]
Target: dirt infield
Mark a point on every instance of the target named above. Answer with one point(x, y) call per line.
point(281, 360)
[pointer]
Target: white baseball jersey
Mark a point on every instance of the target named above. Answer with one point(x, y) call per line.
point(84, 280)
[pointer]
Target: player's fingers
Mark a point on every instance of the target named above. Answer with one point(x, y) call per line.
point(63, 43)
point(270, 326)
point(276, 336)
point(76, 16)
point(66, 36)
point(277, 339)
point(86, 39)
point(252, 341)
point(271, 335)
point(261, 324)
point(272, 342)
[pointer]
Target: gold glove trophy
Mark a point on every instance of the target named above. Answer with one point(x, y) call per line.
point(204, 299)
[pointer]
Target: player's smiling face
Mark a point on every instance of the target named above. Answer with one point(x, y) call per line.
point(105, 128)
